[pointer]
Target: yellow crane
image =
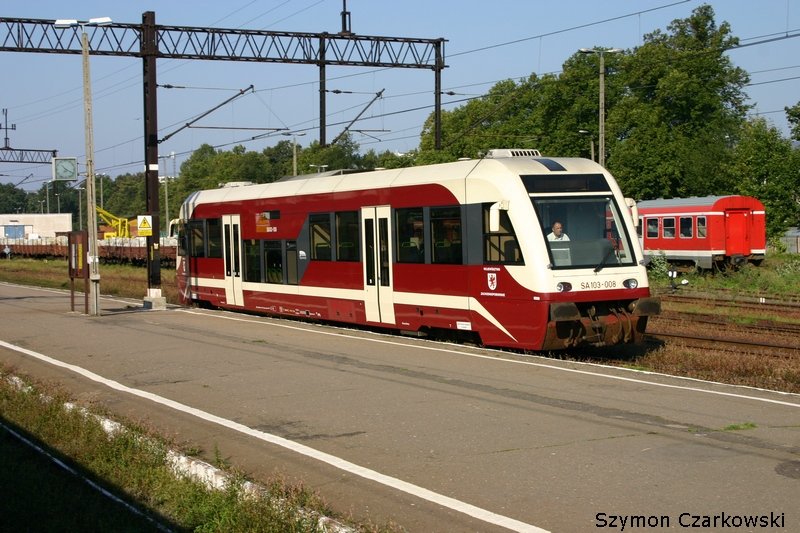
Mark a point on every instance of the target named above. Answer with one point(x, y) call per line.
point(119, 224)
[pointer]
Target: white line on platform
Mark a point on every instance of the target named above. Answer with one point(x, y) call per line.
point(398, 484)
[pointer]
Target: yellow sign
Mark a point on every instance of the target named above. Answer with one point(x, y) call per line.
point(145, 225)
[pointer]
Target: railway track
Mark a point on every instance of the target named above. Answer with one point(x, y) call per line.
point(713, 332)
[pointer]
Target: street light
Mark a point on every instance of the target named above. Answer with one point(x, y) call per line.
point(601, 142)
point(591, 141)
point(166, 177)
point(93, 259)
point(294, 135)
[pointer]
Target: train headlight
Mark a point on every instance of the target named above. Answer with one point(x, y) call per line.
point(563, 286)
point(630, 283)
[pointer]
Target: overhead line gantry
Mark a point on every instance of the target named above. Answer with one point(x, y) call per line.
point(150, 42)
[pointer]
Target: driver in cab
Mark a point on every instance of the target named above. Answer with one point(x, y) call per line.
point(558, 233)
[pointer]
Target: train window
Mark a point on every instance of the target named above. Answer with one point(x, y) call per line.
point(196, 230)
point(183, 241)
point(652, 228)
point(251, 249)
point(347, 236)
point(668, 228)
point(214, 237)
point(685, 227)
point(502, 246)
point(445, 224)
point(291, 262)
point(701, 227)
point(273, 260)
point(320, 226)
point(593, 233)
point(410, 242)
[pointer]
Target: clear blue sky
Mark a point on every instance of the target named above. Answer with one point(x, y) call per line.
point(487, 42)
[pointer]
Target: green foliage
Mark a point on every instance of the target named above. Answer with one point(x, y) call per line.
point(675, 127)
point(12, 200)
point(658, 269)
point(767, 168)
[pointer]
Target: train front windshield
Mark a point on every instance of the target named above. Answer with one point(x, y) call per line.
point(583, 232)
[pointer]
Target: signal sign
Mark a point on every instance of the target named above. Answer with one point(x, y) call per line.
point(144, 224)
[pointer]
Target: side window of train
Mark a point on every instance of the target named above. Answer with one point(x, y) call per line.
point(652, 228)
point(196, 237)
point(347, 241)
point(183, 240)
point(502, 246)
point(273, 261)
point(214, 237)
point(686, 227)
point(410, 231)
point(701, 227)
point(291, 263)
point(251, 250)
point(445, 224)
point(668, 228)
point(320, 228)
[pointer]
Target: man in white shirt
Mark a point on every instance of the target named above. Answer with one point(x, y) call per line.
point(558, 233)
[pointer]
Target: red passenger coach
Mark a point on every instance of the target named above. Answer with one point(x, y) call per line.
point(456, 250)
point(707, 232)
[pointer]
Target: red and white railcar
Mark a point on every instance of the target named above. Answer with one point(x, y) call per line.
point(457, 248)
point(706, 232)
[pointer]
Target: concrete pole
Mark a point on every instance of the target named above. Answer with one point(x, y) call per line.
point(93, 259)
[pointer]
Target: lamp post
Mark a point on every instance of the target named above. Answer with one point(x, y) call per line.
point(294, 148)
point(93, 259)
point(591, 141)
point(601, 142)
point(165, 180)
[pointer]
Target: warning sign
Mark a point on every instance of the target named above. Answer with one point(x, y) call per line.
point(145, 225)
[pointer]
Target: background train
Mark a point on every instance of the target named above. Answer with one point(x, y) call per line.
point(457, 249)
point(705, 232)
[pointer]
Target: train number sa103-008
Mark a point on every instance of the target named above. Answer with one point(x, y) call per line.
point(608, 284)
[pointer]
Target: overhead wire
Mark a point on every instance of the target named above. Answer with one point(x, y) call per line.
point(760, 40)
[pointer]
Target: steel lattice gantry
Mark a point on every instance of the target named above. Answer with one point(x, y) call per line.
point(150, 41)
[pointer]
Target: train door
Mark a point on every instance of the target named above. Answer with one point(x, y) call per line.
point(232, 246)
point(377, 245)
point(737, 236)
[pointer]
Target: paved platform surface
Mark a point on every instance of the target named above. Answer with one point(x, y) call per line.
point(432, 437)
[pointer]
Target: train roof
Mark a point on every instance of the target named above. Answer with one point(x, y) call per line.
point(495, 164)
point(711, 202)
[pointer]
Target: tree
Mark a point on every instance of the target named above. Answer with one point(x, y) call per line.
point(127, 198)
point(671, 132)
point(768, 168)
point(12, 200)
point(793, 116)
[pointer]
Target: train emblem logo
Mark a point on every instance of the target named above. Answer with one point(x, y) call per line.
point(491, 280)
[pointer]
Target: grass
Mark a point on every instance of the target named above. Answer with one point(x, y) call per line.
point(778, 276)
point(116, 280)
point(740, 427)
point(131, 464)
